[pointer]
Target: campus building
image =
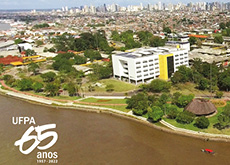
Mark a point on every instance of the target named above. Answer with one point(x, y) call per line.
point(144, 65)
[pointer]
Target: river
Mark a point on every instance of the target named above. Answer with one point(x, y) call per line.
point(4, 26)
point(94, 138)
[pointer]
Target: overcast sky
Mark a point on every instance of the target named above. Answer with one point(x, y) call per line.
point(49, 4)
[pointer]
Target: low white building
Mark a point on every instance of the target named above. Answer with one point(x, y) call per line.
point(144, 65)
point(24, 46)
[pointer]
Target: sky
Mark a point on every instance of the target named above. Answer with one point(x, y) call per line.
point(50, 4)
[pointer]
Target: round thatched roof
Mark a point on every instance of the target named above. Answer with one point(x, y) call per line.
point(201, 107)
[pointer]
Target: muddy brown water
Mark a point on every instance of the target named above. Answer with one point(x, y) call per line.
point(92, 138)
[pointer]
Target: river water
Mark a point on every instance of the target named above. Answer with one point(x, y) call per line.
point(92, 138)
point(4, 26)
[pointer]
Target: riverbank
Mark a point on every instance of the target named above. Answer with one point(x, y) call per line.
point(129, 115)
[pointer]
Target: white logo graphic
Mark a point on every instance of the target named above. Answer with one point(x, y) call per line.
point(37, 139)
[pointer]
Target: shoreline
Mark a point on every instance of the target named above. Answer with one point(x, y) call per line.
point(117, 113)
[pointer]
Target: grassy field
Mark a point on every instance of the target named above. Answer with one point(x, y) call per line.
point(105, 101)
point(188, 88)
point(119, 108)
point(67, 97)
point(109, 101)
point(119, 86)
point(37, 78)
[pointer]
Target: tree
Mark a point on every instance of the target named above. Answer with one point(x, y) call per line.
point(66, 42)
point(158, 85)
point(48, 77)
point(192, 40)
point(203, 84)
point(92, 55)
point(30, 52)
point(1, 68)
point(72, 89)
point(225, 83)
point(156, 41)
point(33, 67)
point(101, 72)
point(218, 39)
point(63, 62)
point(18, 41)
point(52, 89)
point(185, 117)
point(167, 30)
point(38, 26)
point(155, 113)
point(79, 60)
point(172, 111)
point(184, 100)
point(115, 36)
point(219, 94)
point(202, 122)
point(228, 24)
point(163, 98)
point(184, 74)
point(222, 25)
point(25, 84)
point(9, 79)
point(37, 86)
point(144, 37)
point(175, 97)
point(138, 103)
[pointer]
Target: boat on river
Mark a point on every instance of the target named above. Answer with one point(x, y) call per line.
point(208, 151)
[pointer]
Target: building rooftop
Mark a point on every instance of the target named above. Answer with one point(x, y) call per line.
point(142, 52)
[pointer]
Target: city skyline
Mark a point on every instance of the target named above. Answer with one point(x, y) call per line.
point(54, 4)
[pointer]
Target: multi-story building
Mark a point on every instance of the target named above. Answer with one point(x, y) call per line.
point(144, 65)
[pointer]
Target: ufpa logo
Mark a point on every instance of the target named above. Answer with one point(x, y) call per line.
point(37, 138)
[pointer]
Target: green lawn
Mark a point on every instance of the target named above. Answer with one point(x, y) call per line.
point(37, 78)
point(119, 86)
point(67, 97)
point(105, 101)
point(186, 126)
point(188, 88)
point(109, 101)
point(119, 108)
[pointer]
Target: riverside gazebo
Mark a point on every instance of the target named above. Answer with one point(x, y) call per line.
point(201, 107)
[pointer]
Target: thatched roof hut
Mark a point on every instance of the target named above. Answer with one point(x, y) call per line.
point(201, 107)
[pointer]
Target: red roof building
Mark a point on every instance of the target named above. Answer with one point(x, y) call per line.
point(7, 60)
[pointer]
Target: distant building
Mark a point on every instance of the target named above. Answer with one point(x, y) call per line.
point(24, 46)
point(144, 65)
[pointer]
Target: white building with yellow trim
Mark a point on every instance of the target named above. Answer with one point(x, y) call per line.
point(144, 65)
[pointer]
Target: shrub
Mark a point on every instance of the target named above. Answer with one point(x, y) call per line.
point(138, 112)
point(172, 111)
point(156, 113)
point(158, 86)
point(25, 84)
point(202, 122)
point(219, 94)
point(183, 100)
point(185, 117)
point(109, 87)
